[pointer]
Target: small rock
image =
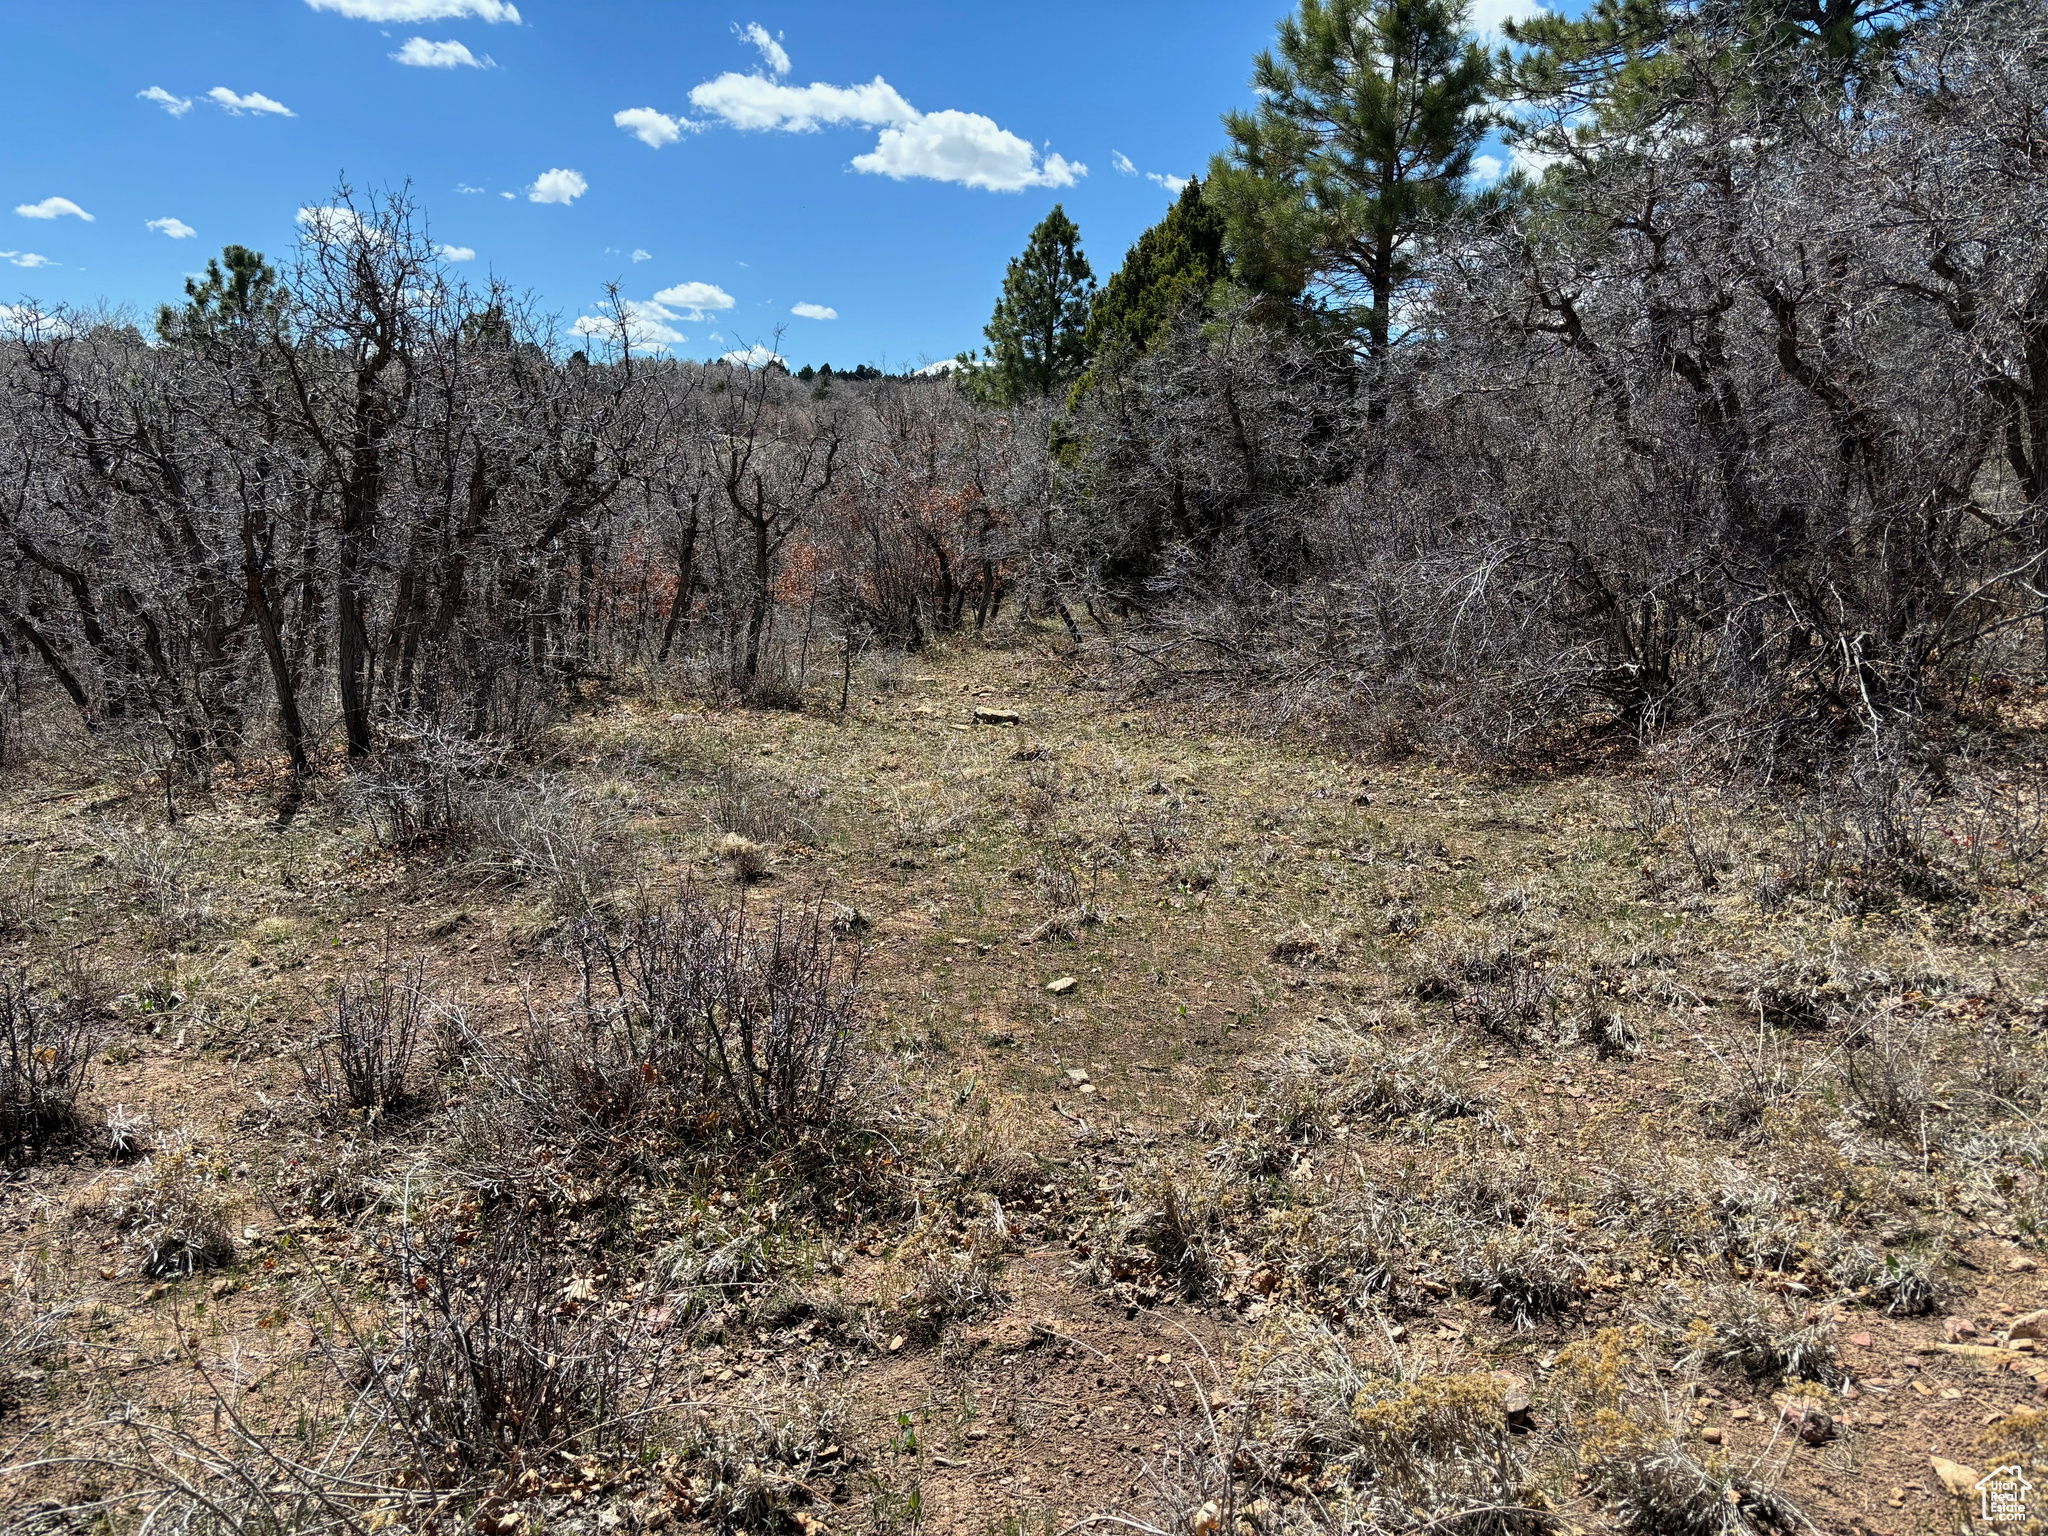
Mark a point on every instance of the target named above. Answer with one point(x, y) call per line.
point(1713, 1436)
point(895, 1344)
point(1076, 1076)
point(1514, 1400)
point(987, 716)
point(1861, 1340)
point(1955, 1477)
point(1958, 1329)
point(1087, 1087)
point(2023, 1265)
point(1815, 1426)
point(1062, 987)
point(2030, 1325)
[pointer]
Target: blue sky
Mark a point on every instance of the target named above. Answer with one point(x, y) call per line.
point(877, 162)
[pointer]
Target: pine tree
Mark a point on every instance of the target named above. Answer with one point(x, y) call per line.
point(1369, 116)
point(1612, 59)
point(1038, 340)
point(247, 290)
point(1171, 269)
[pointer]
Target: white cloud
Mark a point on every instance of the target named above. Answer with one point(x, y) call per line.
point(177, 106)
point(465, 187)
point(557, 186)
point(756, 356)
point(772, 52)
point(508, 196)
point(695, 300)
point(422, 54)
point(646, 325)
point(23, 317)
point(419, 10)
point(944, 366)
point(1487, 15)
point(1124, 167)
point(335, 226)
point(640, 256)
point(1530, 160)
point(962, 147)
point(814, 311)
point(255, 102)
point(650, 127)
point(52, 208)
point(756, 102)
point(457, 253)
point(967, 148)
point(177, 229)
point(1487, 169)
point(27, 259)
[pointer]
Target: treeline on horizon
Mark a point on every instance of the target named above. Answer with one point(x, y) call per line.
point(1719, 418)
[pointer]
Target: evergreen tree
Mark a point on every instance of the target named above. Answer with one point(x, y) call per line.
point(1172, 268)
point(1369, 116)
point(1613, 59)
point(246, 291)
point(1037, 337)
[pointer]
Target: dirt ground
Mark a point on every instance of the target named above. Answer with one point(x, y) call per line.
point(1096, 937)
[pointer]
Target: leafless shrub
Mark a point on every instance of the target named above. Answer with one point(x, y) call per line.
point(363, 1062)
point(1184, 1228)
point(734, 1025)
point(1161, 829)
point(1889, 1073)
point(175, 907)
point(1756, 1079)
point(1507, 996)
point(429, 785)
point(319, 1475)
point(546, 833)
point(502, 1354)
point(749, 804)
point(26, 883)
point(46, 1062)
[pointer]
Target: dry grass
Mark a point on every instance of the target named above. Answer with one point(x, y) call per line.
point(1653, 1105)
